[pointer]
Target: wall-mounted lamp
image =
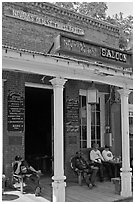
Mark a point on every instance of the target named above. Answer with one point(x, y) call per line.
point(92, 94)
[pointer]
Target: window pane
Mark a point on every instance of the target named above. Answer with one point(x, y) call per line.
point(98, 132)
point(92, 132)
point(84, 133)
point(92, 118)
point(131, 125)
point(83, 101)
point(98, 107)
point(98, 118)
point(99, 143)
point(84, 144)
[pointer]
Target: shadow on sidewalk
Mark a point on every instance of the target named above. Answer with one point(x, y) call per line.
point(8, 197)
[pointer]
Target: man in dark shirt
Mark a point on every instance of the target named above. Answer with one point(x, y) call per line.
point(88, 170)
point(31, 176)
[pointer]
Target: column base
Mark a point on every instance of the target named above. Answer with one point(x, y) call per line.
point(126, 184)
point(59, 191)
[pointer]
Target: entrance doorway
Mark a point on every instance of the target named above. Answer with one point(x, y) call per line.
point(38, 128)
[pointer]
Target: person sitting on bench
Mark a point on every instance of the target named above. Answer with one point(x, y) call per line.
point(89, 172)
point(97, 160)
point(108, 158)
point(30, 175)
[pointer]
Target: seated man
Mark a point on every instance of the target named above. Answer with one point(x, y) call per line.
point(108, 158)
point(97, 160)
point(31, 176)
point(89, 172)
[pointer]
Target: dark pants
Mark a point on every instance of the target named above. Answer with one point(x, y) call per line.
point(110, 169)
point(32, 181)
point(101, 172)
point(90, 176)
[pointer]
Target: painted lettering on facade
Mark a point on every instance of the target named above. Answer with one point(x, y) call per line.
point(77, 47)
point(80, 47)
point(113, 55)
point(46, 21)
point(15, 112)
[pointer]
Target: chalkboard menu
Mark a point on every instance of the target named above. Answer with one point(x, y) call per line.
point(72, 115)
point(15, 112)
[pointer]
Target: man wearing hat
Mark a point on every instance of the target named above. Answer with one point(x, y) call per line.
point(31, 176)
point(89, 171)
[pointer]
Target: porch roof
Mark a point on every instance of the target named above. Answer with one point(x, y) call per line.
point(65, 67)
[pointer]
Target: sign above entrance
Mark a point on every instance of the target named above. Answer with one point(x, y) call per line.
point(86, 49)
point(46, 21)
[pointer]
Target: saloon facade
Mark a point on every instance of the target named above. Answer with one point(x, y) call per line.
point(66, 85)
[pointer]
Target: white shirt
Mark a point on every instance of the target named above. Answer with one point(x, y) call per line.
point(96, 156)
point(107, 155)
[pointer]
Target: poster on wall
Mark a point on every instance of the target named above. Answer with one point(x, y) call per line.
point(15, 110)
point(72, 115)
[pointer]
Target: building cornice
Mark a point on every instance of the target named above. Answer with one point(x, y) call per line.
point(52, 9)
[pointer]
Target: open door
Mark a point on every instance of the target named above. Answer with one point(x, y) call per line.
point(38, 128)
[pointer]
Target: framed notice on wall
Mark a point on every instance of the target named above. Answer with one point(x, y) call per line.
point(15, 116)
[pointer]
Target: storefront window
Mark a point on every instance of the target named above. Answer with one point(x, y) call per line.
point(83, 122)
point(95, 123)
point(89, 123)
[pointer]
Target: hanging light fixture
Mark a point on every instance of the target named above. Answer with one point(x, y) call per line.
point(92, 94)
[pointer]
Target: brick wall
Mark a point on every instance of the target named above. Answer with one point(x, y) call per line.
point(26, 35)
point(13, 140)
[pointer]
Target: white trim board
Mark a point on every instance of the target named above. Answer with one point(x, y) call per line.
point(35, 85)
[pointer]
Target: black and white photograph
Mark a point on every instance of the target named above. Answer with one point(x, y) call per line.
point(67, 101)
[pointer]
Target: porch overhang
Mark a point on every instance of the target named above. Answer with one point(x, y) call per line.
point(65, 67)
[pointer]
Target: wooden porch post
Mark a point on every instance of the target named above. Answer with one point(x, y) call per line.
point(125, 174)
point(58, 184)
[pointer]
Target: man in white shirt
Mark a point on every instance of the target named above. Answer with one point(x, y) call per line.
point(97, 159)
point(107, 154)
point(108, 157)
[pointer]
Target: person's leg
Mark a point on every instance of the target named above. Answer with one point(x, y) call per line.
point(86, 176)
point(33, 181)
point(101, 173)
point(93, 175)
point(108, 169)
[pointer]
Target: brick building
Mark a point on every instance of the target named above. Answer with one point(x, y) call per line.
point(63, 77)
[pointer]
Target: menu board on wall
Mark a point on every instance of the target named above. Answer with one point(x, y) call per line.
point(72, 115)
point(15, 109)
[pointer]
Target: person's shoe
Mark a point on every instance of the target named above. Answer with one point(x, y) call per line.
point(38, 191)
point(90, 186)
